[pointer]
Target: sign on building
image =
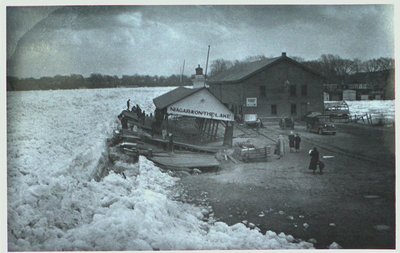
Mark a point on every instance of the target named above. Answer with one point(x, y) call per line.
point(187, 111)
point(201, 104)
point(251, 102)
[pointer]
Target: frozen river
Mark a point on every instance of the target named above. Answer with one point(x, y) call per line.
point(56, 145)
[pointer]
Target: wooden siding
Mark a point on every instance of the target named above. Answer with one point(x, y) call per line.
point(277, 90)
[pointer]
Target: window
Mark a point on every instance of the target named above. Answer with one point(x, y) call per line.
point(262, 91)
point(274, 110)
point(292, 90)
point(293, 109)
point(304, 90)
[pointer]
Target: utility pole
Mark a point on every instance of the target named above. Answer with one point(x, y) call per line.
point(183, 69)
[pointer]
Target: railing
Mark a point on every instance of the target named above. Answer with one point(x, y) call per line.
point(365, 119)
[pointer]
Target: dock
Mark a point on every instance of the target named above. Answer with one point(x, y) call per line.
point(185, 155)
point(192, 142)
point(159, 142)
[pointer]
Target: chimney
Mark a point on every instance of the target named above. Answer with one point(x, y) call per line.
point(199, 79)
point(283, 54)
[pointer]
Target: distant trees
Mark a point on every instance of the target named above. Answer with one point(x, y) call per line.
point(379, 64)
point(95, 80)
point(221, 65)
point(332, 67)
point(218, 66)
point(335, 68)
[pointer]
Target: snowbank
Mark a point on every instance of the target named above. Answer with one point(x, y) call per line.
point(379, 109)
point(56, 145)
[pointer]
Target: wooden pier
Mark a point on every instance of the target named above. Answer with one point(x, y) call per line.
point(156, 149)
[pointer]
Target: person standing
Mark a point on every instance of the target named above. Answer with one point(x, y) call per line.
point(138, 111)
point(314, 160)
point(143, 117)
point(164, 132)
point(128, 104)
point(297, 141)
point(291, 141)
point(280, 147)
point(171, 143)
point(124, 122)
point(153, 128)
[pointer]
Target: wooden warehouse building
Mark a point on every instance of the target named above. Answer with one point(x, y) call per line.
point(276, 87)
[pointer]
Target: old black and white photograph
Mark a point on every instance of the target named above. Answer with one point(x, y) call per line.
point(156, 126)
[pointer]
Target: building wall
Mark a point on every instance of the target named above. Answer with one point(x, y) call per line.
point(349, 95)
point(277, 80)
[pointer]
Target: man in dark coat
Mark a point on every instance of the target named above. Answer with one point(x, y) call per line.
point(154, 128)
point(138, 111)
point(124, 122)
point(297, 141)
point(128, 104)
point(291, 141)
point(314, 159)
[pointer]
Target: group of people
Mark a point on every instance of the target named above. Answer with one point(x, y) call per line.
point(141, 114)
point(294, 146)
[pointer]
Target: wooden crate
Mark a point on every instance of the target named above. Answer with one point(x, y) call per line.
point(255, 154)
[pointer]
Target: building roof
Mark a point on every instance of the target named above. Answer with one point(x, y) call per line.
point(241, 71)
point(173, 96)
point(246, 70)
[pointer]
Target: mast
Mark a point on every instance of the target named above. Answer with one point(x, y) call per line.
point(183, 69)
point(208, 53)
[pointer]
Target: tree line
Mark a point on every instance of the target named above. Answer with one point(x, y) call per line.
point(334, 68)
point(96, 80)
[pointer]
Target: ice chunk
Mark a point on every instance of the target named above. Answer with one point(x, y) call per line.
point(334, 245)
point(312, 240)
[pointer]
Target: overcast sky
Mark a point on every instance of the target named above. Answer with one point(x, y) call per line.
point(155, 40)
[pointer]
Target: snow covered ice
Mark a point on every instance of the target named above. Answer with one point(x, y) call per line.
point(378, 109)
point(58, 198)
